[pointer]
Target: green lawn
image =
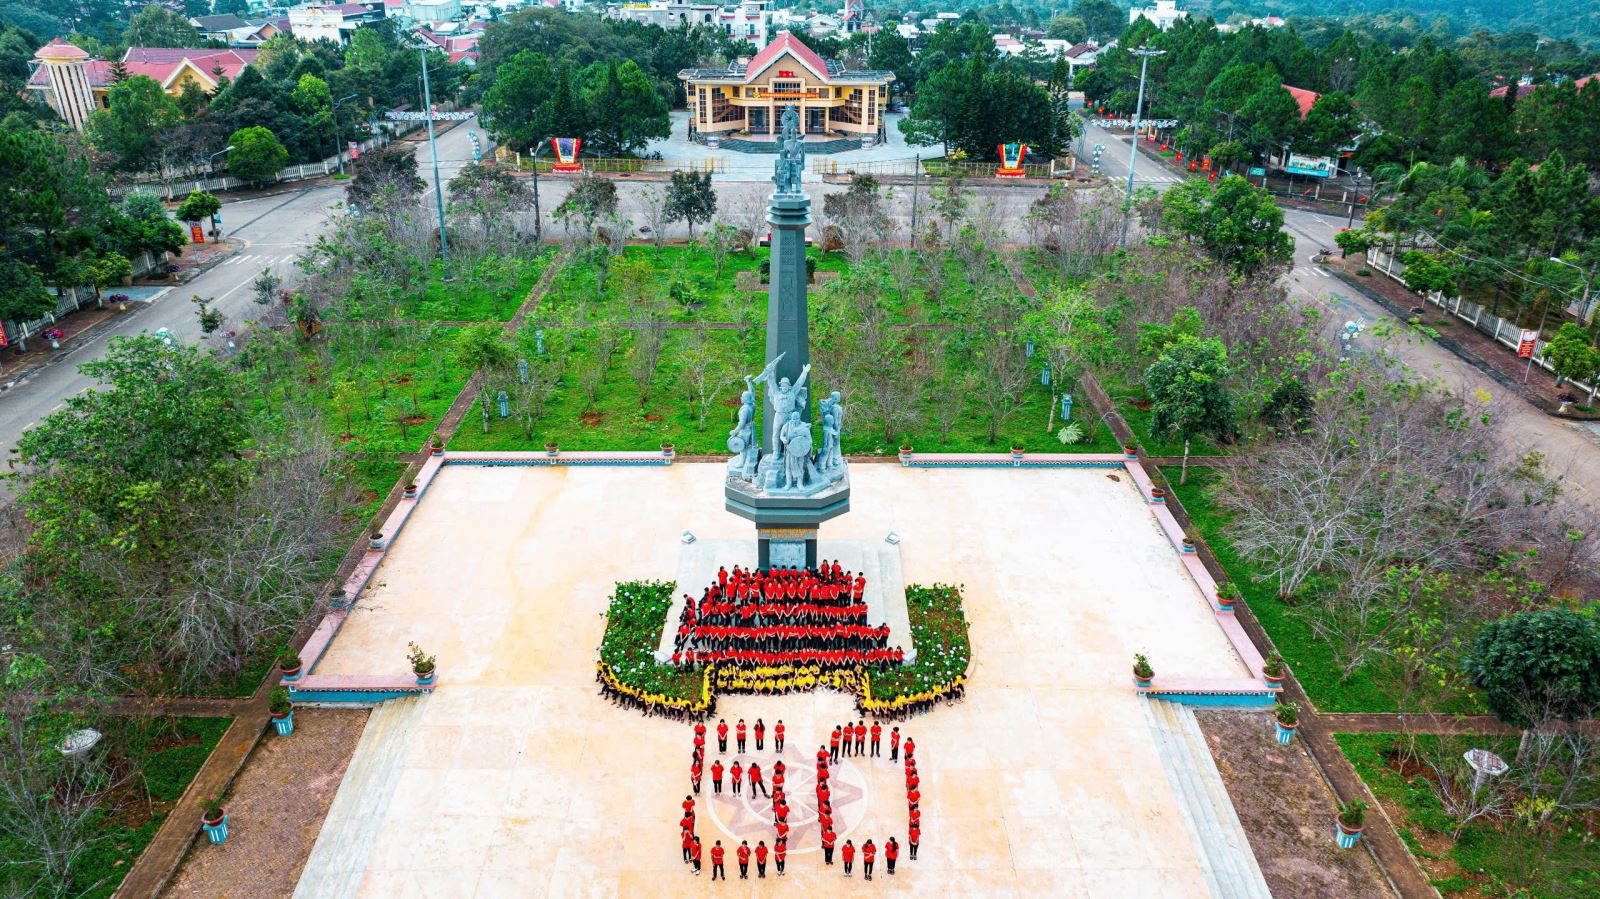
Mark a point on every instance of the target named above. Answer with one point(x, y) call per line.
point(1560, 861)
point(160, 757)
point(488, 289)
point(1139, 421)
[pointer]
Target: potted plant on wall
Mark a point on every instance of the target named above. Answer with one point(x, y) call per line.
point(375, 540)
point(281, 707)
point(289, 664)
point(422, 665)
point(411, 491)
point(668, 449)
point(550, 446)
point(1287, 717)
point(1142, 672)
point(1272, 670)
point(1352, 822)
point(214, 820)
point(1130, 451)
point(1227, 596)
point(1016, 450)
point(905, 450)
point(436, 445)
point(1158, 495)
point(338, 599)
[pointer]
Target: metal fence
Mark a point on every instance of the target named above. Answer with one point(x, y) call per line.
point(594, 164)
point(72, 299)
point(1505, 332)
point(938, 168)
point(173, 188)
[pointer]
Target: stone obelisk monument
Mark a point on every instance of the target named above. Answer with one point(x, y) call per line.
point(788, 479)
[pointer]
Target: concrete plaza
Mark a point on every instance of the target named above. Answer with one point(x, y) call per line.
point(516, 778)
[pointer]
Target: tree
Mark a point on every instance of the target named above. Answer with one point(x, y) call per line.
point(691, 198)
point(482, 349)
point(626, 110)
point(1573, 358)
point(130, 128)
point(705, 371)
point(1355, 240)
point(1235, 221)
point(386, 176)
point(588, 201)
point(1226, 155)
point(532, 100)
point(1538, 667)
point(1428, 272)
point(1064, 27)
point(1189, 394)
point(158, 26)
point(256, 155)
point(1104, 19)
point(198, 206)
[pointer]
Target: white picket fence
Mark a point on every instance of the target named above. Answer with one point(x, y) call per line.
point(1505, 332)
point(74, 298)
point(172, 190)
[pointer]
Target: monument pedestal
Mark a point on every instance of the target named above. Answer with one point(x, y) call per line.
point(786, 525)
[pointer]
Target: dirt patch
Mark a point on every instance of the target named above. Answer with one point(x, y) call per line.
point(1287, 811)
point(652, 416)
point(275, 809)
point(592, 419)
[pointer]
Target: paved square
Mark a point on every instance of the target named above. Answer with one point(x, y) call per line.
point(517, 779)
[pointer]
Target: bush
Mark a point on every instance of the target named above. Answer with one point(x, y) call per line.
point(939, 633)
point(635, 617)
point(1535, 667)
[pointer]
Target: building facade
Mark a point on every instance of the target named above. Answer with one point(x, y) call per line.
point(75, 84)
point(1163, 14)
point(747, 97)
point(749, 20)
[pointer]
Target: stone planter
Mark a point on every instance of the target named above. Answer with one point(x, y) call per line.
point(216, 830)
point(411, 491)
point(1346, 835)
point(436, 450)
point(1286, 732)
point(1188, 544)
point(1142, 682)
point(1225, 603)
point(550, 449)
point(375, 541)
point(292, 673)
point(283, 722)
point(1016, 453)
point(1272, 680)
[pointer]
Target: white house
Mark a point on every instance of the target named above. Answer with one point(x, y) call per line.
point(1163, 14)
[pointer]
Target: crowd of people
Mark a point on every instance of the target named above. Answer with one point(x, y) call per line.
point(783, 616)
point(846, 740)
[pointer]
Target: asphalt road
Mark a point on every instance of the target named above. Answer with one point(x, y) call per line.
point(274, 229)
point(1570, 450)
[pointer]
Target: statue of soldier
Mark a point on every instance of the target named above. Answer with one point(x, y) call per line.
point(796, 450)
point(742, 440)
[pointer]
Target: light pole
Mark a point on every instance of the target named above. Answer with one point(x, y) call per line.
point(1355, 181)
point(1588, 283)
point(1144, 55)
point(433, 150)
point(227, 149)
point(334, 114)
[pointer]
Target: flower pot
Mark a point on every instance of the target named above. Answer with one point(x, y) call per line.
point(1188, 544)
point(292, 673)
point(339, 600)
point(426, 679)
point(436, 450)
point(283, 722)
point(1130, 452)
point(550, 449)
point(216, 830)
point(375, 541)
point(1016, 452)
point(668, 450)
point(1158, 495)
point(1346, 835)
point(1142, 682)
point(411, 491)
point(1286, 732)
point(1225, 603)
point(1272, 680)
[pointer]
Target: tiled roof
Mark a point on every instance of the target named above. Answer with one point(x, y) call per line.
point(161, 63)
point(1303, 98)
point(787, 43)
point(60, 49)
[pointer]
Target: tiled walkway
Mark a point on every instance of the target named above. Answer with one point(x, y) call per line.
point(519, 780)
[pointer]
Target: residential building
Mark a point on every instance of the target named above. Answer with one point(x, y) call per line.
point(334, 22)
point(433, 10)
point(1163, 14)
point(219, 28)
point(749, 20)
point(1525, 86)
point(747, 96)
point(75, 84)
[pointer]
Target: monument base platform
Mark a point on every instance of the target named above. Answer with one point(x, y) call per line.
point(878, 560)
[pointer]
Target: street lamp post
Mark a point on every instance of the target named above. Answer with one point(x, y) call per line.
point(1355, 181)
point(1144, 55)
point(338, 155)
point(1588, 284)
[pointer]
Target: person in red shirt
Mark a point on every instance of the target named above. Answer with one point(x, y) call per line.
point(912, 780)
point(877, 737)
point(894, 744)
point(688, 808)
point(761, 859)
point(911, 749)
point(779, 854)
point(833, 746)
point(716, 776)
point(891, 851)
point(700, 731)
point(737, 774)
point(688, 846)
point(783, 833)
point(694, 854)
point(861, 738)
point(828, 839)
point(722, 736)
point(756, 782)
point(777, 736)
point(914, 837)
point(694, 774)
point(777, 777)
point(761, 732)
point(744, 860)
point(718, 871)
point(868, 853)
point(913, 796)
point(849, 853)
point(822, 758)
point(738, 732)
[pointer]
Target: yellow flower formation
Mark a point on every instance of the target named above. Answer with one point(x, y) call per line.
point(784, 679)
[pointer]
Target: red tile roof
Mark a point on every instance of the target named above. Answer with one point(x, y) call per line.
point(161, 63)
point(1525, 89)
point(1303, 98)
point(60, 49)
point(786, 43)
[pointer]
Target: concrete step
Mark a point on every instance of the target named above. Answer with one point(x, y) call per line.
point(339, 858)
point(1230, 867)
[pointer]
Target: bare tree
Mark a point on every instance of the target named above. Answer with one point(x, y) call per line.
point(705, 372)
point(655, 204)
point(649, 333)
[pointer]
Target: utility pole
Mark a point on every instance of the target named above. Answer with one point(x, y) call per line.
point(538, 224)
point(1355, 182)
point(916, 185)
point(433, 150)
point(1144, 54)
point(333, 113)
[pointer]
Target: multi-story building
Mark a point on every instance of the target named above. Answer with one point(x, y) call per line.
point(746, 97)
point(333, 22)
point(1163, 14)
point(749, 19)
point(75, 84)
